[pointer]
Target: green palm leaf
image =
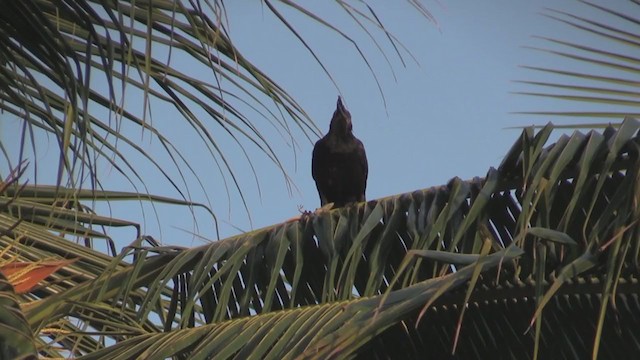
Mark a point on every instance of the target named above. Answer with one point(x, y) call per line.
point(342, 327)
point(16, 337)
point(348, 282)
point(613, 40)
point(68, 67)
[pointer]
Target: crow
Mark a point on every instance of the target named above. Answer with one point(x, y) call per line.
point(339, 162)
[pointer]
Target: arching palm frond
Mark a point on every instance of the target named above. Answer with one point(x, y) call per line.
point(72, 70)
point(353, 281)
point(601, 72)
point(69, 66)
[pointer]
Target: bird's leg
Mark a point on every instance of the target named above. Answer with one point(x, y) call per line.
point(304, 215)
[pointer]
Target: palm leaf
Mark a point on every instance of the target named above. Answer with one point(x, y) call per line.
point(290, 334)
point(570, 206)
point(16, 336)
point(613, 40)
point(67, 68)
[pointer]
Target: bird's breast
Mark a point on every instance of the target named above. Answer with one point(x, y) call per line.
point(339, 145)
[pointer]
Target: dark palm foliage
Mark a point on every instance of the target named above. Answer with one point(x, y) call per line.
point(69, 68)
point(16, 337)
point(550, 235)
point(57, 54)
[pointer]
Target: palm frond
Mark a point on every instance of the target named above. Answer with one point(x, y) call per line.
point(69, 68)
point(341, 330)
point(607, 56)
point(17, 337)
point(570, 206)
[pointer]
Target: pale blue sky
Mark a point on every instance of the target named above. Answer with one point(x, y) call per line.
point(445, 116)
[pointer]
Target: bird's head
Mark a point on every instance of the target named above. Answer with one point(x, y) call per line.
point(341, 120)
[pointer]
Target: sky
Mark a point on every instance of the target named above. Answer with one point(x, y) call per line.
point(446, 115)
point(448, 111)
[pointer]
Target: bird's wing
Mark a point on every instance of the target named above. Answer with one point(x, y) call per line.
point(320, 169)
point(318, 158)
point(364, 166)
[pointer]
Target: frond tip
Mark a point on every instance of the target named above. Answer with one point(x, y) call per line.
point(606, 85)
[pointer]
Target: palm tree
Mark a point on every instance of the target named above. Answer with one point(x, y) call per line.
point(538, 259)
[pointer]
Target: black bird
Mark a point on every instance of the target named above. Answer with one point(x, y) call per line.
point(339, 163)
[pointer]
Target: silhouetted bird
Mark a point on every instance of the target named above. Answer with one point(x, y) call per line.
point(339, 163)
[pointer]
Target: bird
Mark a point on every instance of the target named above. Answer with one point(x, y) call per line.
point(339, 162)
